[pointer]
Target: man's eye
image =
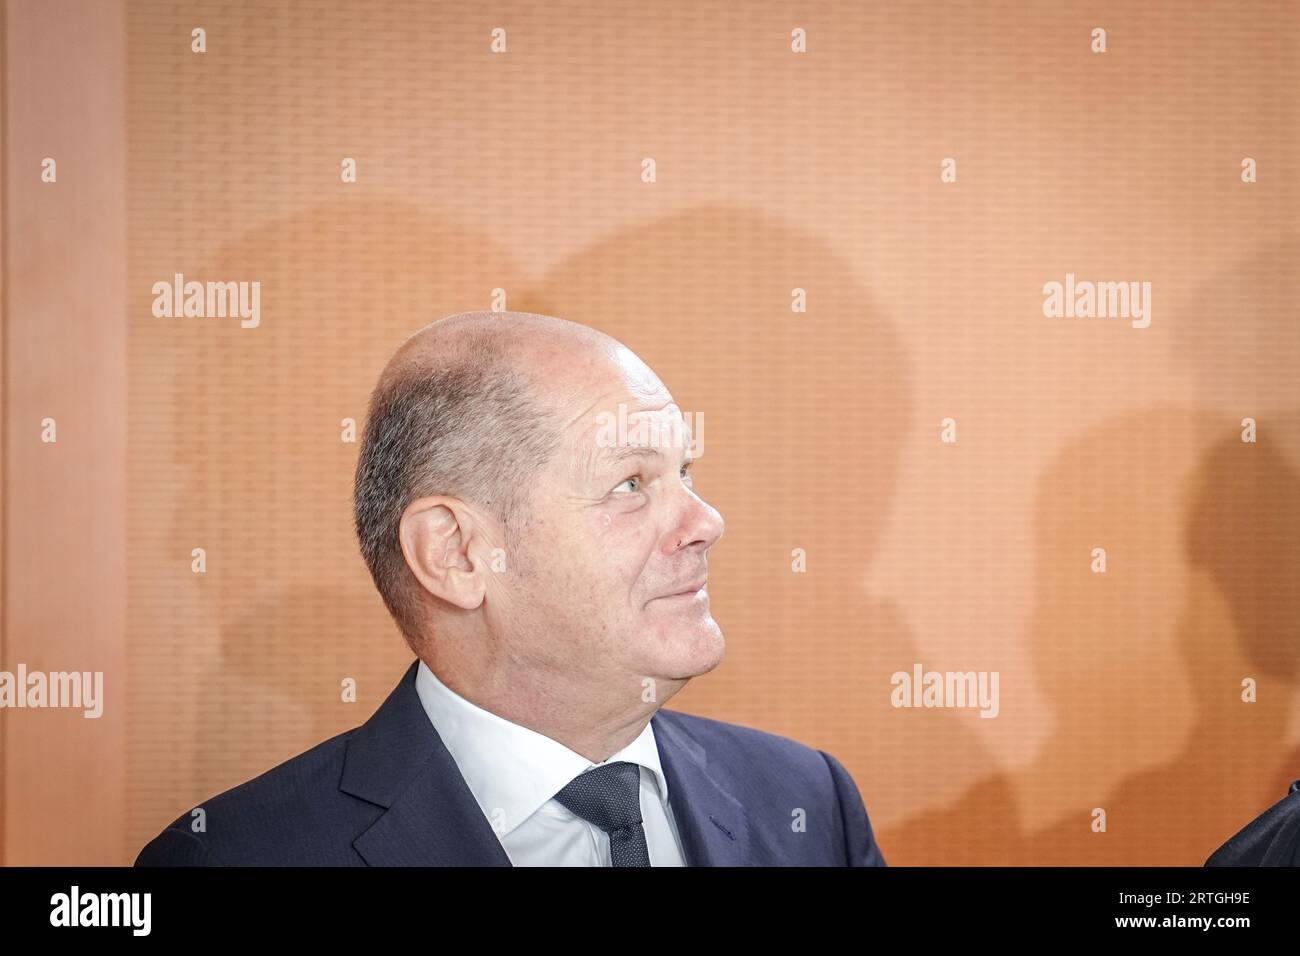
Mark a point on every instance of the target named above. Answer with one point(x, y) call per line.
point(635, 479)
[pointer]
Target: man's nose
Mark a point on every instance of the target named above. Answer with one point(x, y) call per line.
point(700, 524)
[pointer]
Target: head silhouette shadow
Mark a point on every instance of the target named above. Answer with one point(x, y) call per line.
point(1144, 665)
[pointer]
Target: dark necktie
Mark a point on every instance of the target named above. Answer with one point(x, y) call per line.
point(610, 797)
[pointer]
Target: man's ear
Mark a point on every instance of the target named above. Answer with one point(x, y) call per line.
point(435, 535)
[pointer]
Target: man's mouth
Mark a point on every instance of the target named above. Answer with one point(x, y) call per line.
point(687, 591)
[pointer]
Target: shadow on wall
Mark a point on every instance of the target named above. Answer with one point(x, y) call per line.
point(1194, 762)
point(801, 450)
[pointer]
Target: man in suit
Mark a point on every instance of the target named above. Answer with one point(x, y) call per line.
point(524, 505)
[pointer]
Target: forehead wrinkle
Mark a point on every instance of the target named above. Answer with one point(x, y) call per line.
point(605, 457)
point(597, 456)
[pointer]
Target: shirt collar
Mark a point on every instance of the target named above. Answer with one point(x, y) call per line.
point(512, 770)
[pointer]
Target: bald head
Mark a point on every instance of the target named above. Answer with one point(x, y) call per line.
point(529, 342)
point(465, 408)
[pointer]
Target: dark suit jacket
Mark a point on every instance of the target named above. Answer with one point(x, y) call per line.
point(1271, 839)
point(388, 793)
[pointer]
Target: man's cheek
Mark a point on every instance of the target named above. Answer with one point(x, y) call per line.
point(620, 546)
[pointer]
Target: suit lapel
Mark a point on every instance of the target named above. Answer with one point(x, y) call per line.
point(712, 823)
point(396, 760)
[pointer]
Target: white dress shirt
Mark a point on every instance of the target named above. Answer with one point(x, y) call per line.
point(514, 774)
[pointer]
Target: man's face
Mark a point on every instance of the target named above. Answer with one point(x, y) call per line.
point(614, 552)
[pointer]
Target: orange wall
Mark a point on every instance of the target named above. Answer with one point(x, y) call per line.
point(65, 503)
point(819, 171)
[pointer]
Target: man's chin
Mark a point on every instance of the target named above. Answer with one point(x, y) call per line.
point(698, 652)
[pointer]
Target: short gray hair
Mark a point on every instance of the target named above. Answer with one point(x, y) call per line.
point(473, 428)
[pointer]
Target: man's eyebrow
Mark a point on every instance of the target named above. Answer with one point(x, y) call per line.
point(614, 454)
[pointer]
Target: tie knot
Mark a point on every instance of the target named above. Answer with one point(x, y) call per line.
point(608, 796)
